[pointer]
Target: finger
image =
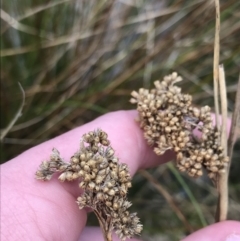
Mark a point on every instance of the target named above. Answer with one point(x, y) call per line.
point(223, 231)
point(52, 205)
point(94, 233)
point(124, 134)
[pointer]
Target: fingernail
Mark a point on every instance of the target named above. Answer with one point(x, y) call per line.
point(233, 237)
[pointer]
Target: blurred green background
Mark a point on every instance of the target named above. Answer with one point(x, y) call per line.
point(78, 59)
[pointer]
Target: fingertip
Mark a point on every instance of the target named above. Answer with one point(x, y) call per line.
point(222, 231)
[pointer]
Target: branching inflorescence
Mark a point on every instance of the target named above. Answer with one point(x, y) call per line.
point(104, 180)
point(170, 121)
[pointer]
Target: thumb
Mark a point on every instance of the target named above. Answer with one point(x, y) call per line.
point(223, 231)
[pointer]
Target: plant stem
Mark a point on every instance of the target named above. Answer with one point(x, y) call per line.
point(107, 234)
point(216, 62)
point(222, 208)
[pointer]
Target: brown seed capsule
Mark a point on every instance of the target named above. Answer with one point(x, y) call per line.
point(182, 145)
point(207, 157)
point(110, 184)
point(83, 163)
point(94, 148)
point(196, 112)
point(103, 135)
point(82, 157)
point(181, 168)
point(82, 184)
point(99, 179)
point(182, 162)
point(111, 192)
point(122, 174)
point(193, 157)
point(105, 189)
point(93, 175)
point(204, 137)
point(214, 169)
point(89, 155)
point(187, 164)
point(105, 142)
point(158, 151)
point(91, 163)
point(114, 175)
point(63, 167)
point(109, 204)
point(86, 168)
point(100, 196)
point(123, 190)
point(76, 167)
point(102, 172)
point(75, 160)
point(69, 176)
point(197, 166)
point(114, 160)
point(75, 175)
point(81, 173)
point(210, 151)
point(124, 219)
point(168, 129)
point(91, 185)
point(193, 170)
point(104, 164)
point(87, 178)
point(175, 119)
point(179, 156)
point(214, 157)
point(177, 149)
point(45, 164)
point(115, 206)
point(199, 159)
point(62, 177)
point(109, 152)
point(97, 188)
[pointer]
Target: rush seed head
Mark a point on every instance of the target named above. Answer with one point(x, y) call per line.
point(168, 119)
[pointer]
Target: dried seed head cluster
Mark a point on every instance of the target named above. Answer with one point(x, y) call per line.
point(104, 180)
point(169, 121)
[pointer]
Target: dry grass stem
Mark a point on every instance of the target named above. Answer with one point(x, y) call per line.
point(216, 62)
point(16, 117)
point(222, 185)
point(21, 27)
point(224, 106)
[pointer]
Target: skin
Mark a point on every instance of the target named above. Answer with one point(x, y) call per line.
point(35, 210)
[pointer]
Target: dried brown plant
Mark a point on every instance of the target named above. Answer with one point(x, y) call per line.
point(170, 121)
point(104, 180)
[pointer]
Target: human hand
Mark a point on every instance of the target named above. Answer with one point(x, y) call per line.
point(32, 210)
